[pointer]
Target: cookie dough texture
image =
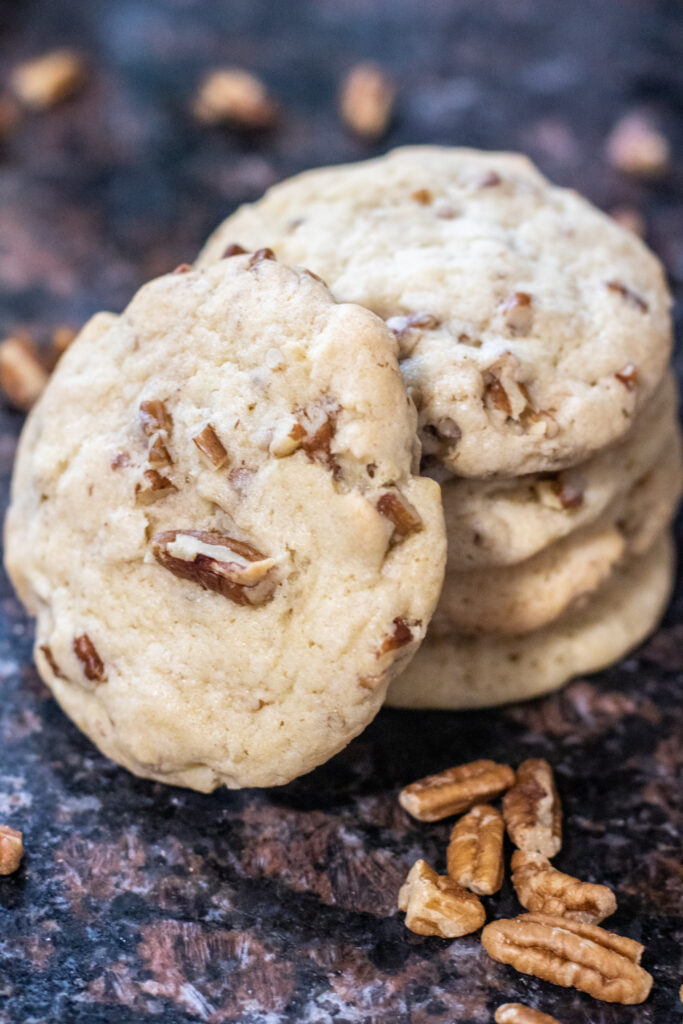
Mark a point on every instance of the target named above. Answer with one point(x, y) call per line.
point(306, 401)
point(467, 672)
point(532, 327)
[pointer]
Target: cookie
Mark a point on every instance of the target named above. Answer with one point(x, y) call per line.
point(498, 522)
point(458, 672)
point(532, 327)
point(215, 522)
point(520, 598)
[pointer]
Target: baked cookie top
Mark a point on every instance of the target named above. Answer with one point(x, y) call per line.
point(531, 326)
point(215, 521)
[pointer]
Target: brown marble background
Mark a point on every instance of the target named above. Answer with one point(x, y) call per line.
point(140, 903)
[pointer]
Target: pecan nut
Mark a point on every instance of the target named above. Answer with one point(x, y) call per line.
point(543, 889)
point(436, 905)
point(366, 100)
point(11, 849)
point(456, 789)
point(217, 562)
point(475, 850)
point(22, 377)
point(401, 514)
point(571, 954)
point(517, 1013)
point(234, 96)
point(532, 810)
point(210, 445)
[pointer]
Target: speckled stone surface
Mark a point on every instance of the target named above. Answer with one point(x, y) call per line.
point(139, 903)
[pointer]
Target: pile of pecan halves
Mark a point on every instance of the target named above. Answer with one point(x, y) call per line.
point(559, 940)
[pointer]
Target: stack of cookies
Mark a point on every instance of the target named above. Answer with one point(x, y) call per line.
point(534, 337)
point(238, 505)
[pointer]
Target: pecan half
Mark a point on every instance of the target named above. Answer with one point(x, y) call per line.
point(400, 635)
point(455, 790)
point(571, 954)
point(628, 377)
point(436, 905)
point(366, 100)
point(155, 487)
point(217, 562)
point(400, 513)
point(314, 432)
point(543, 889)
point(475, 850)
point(211, 446)
point(11, 849)
point(87, 654)
point(517, 1013)
point(626, 293)
point(154, 417)
point(532, 810)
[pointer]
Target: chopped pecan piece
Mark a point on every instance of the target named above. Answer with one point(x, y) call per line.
point(11, 849)
point(436, 905)
point(50, 659)
point(259, 256)
point(230, 95)
point(22, 376)
point(154, 488)
point(626, 293)
point(154, 417)
point(211, 446)
point(86, 652)
point(400, 325)
point(532, 810)
point(455, 790)
point(400, 512)
point(475, 850)
point(518, 312)
point(229, 567)
point(401, 635)
point(543, 889)
point(563, 492)
point(517, 1013)
point(233, 250)
point(571, 954)
point(158, 453)
point(314, 432)
point(366, 100)
point(628, 377)
point(48, 80)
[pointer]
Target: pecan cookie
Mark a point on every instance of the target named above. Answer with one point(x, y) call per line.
point(532, 328)
point(466, 672)
point(215, 522)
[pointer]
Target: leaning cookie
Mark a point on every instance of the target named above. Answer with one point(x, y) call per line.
point(469, 672)
point(215, 523)
point(532, 327)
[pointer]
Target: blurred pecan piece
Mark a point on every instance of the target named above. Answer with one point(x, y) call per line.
point(517, 1013)
point(234, 96)
point(543, 889)
point(210, 445)
point(475, 850)
point(22, 375)
point(48, 80)
point(11, 849)
point(532, 810)
point(366, 100)
point(217, 562)
point(455, 790)
point(503, 389)
point(436, 905)
point(154, 488)
point(571, 954)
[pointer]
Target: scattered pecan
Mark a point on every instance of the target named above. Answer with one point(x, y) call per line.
point(400, 635)
point(86, 652)
point(233, 96)
point(400, 512)
point(50, 659)
point(532, 810)
point(436, 905)
point(314, 432)
point(22, 376)
point(158, 453)
point(627, 293)
point(475, 850)
point(259, 256)
point(154, 488)
point(233, 250)
point(154, 417)
point(11, 849)
point(628, 377)
point(518, 312)
point(366, 100)
point(636, 147)
point(543, 889)
point(571, 953)
point(564, 491)
point(503, 390)
point(517, 1013)
point(211, 446)
point(457, 789)
point(48, 80)
point(229, 567)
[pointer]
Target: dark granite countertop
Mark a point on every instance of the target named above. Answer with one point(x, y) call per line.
point(141, 903)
